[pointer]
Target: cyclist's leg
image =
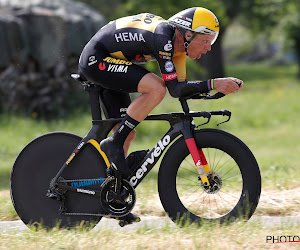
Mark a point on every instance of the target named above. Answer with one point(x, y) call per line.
point(153, 90)
point(123, 76)
point(128, 140)
point(114, 105)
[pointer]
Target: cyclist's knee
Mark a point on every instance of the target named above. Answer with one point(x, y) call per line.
point(154, 86)
point(158, 90)
point(161, 90)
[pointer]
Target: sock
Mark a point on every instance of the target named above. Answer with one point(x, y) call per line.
point(127, 125)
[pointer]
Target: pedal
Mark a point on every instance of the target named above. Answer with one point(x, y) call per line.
point(54, 196)
point(129, 219)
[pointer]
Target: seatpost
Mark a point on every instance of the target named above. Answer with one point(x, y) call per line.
point(94, 94)
point(184, 105)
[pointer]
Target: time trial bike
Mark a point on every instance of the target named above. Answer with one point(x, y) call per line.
point(206, 174)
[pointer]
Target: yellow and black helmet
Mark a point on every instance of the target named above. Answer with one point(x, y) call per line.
point(197, 19)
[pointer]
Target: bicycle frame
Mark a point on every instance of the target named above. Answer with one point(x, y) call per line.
point(181, 123)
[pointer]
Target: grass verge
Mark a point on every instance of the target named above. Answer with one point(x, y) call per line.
point(234, 236)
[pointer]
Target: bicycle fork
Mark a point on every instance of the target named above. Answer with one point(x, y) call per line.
point(199, 160)
point(197, 154)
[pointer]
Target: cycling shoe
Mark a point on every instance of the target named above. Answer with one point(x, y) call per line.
point(134, 158)
point(115, 155)
point(128, 219)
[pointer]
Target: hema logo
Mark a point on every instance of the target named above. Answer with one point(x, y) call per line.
point(282, 239)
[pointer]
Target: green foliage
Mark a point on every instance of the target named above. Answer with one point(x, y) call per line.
point(291, 22)
point(113, 9)
point(264, 14)
point(269, 15)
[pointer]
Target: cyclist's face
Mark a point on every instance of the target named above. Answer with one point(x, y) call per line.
point(200, 45)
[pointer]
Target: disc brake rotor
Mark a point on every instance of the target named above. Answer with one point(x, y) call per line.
point(215, 183)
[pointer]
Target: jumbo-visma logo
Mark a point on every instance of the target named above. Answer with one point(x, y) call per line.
point(102, 66)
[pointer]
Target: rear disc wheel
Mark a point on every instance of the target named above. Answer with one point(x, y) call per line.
point(38, 163)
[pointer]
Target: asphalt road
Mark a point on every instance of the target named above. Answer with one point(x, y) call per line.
point(151, 222)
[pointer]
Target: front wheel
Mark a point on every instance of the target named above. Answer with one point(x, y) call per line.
point(234, 173)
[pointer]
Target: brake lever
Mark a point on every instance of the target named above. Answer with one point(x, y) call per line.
point(208, 120)
point(227, 113)
point(208, 116)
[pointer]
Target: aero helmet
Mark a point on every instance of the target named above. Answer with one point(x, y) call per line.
point(198, 20)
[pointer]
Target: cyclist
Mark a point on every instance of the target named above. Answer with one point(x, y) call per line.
point(110, 59)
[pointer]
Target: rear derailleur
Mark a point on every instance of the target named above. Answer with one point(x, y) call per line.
point(56, 193)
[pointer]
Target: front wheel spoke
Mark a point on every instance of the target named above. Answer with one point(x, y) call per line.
point(239, 190)
point(209, 205)
point(215, 167)
point(216, 204)
point(196, 198)
point(230, 177)
point(228, 171)
point(229, 194)
point(222, 199)
point(208, 161)
point(186, 190)
point(203, 203)
point(218, 168)
point(233, 182)
point(189, 187)
point(188, 170)
point(191, 192)
point(189, 180)
point(214, 158)
point(189, 163)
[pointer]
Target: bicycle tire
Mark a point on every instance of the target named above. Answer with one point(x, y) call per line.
point(176, 177)
point(37, 164)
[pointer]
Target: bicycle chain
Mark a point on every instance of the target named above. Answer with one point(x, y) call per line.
point(97, 215)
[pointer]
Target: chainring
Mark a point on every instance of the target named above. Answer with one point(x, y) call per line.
point(114, 205)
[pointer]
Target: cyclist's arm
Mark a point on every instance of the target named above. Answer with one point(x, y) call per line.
point(181, 89)
point(174, 79)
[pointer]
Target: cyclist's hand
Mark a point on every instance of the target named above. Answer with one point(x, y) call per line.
point(228, 85)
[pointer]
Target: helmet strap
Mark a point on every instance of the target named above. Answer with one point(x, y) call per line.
point(186, 43)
